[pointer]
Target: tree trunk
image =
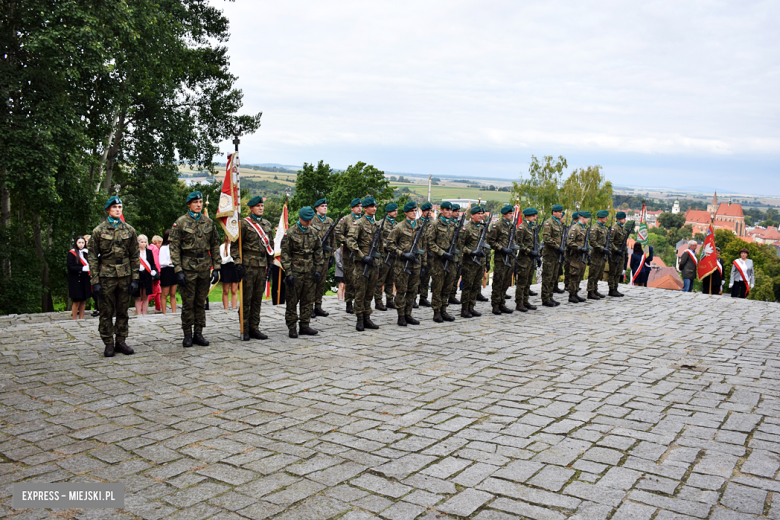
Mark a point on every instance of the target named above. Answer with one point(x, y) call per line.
point(47, 305)
point(113, 151)
point(5, 216)
point(109, 143)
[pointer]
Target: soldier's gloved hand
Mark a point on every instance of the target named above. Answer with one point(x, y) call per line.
point(133, 286)
point(317, 277)
point(480, 254)
point(290, 280)
point(240, 271)
point(447, 256)
point(409, 257)
point(97, 290)
point(534, 254)
point(368, 260)
point(181, 279)
point(506, 250)
point(214, 276)
point(561, 250)
point(583, 250)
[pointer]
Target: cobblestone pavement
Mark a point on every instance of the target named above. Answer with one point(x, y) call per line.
point(658, 405)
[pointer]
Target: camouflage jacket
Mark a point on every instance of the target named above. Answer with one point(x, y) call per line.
point(552, 233)
point(301, 251)
point(401, 238)
point(575, 241)
point(439, 236)
point(616, 239)
point(113, 252)
point(469, 238)
point(459, 243)
point(598, 237)
point(252, 248)
point(360, 236)
point(343, 227)
point(423, 243)
point(525, 240)
point(322, 227)
point(390, 225)
point(192, 241)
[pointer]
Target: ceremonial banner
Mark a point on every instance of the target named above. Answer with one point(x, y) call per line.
point(708, 259)
point(642, 234)
point(277, 275)
point(229, 209)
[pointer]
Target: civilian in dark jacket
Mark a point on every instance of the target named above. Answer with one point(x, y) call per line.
point(635, 260)
point(688, 266)
point(79, 288)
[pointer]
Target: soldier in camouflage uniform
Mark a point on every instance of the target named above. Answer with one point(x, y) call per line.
point(114, 261)
point(194, 245)
point(400, 244)
point(552, 234)
point(359, 240)
point(473, 262)
point(498, 236)
point(617, 261)
point(576, 247)
point(321, 224)
point(347, 260)
point(257, 246)
point(598, 241)
point(302, 262)
point(566, 266)
point(426, 208)
point(525, 260)
point(456, 214)
point(386, 268)
point(439, 239)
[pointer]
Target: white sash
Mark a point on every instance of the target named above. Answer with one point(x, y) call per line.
point(738, 264)
point(83, 262)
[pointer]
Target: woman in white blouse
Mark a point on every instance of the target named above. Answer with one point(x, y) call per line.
point(167, 275)
point(228, 276)
point(743, 279)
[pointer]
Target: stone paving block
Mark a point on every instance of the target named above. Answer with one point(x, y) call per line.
point(465, 502)
point(536, 496)
point(762, 463)
point(744, 499)
point(552, 478)
point(684, 507)
point(405, 466)
point(228, 474)
point(519, 470)
point(520, 509)
point(402, 511)
point(380, 485)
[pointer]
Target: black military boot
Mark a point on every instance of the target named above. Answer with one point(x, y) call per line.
point(122, 348)
point(187, 341)
point(350, 310)
point(533, 293)
point(380, 306)
point(453, 301)
point(474, 312)
point(411, 320)
point(496, 310)
point(198, 339)
point(402, 321)
point(481, 298)
point(446, 316)
point(548, 303)
point(415, 305)
point(528, 306)
point(437, 317)
point(424, 302)
point(558, 290)
point(465, 313)
point(580, 298)
point(390, 304)
point(359, 324)
point(556, 302)
point(597, 293)
point(505, 309)
point(592, 296)
point(367, 323)
point(620, 294)
point(573, 298)
point(319, 311)
point(109, 351)
point(520, 307)
point(308, 331)
point(256, 334)
point(293, 332)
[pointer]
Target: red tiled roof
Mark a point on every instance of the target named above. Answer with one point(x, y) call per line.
point(770, 233)
point(697, 216)
point(670, 282)
point(657, 262)
point(730, 210)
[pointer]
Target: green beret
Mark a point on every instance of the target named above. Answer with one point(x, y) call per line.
point(446, 205)
point(195, 195)
point(409, 206)
point(506, 209)
point(456, 207)
point(369, 201)
point(585, 214)
point(557, 207)
point(575, 215)
point(254, 201)
point(320, 202)
point(529, 211)
point(477, 209)
point(355, 202)
point(602, 213)
point(111, 202)
point(620, 214)
point(426, 206)
point(391, 207)
point(306, 213)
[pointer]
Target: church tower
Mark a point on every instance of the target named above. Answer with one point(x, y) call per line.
point(712, 209)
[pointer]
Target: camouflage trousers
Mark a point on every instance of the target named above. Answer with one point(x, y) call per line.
point(193, 300)
point(114, 300)
point(426, 280)
point(458, 273)
point(577, 268)
point(523, 279)
point(405, 287)
point(566, 268)
point(385, 281)
point(364, 287)
point(502, 278)
point(596, 271)
point(441, 283)
point(550, 267)
point(349, 275)
point(615, 272)
point(301, 293)
point(252, 290)
point(472, 282)
point(319, 288)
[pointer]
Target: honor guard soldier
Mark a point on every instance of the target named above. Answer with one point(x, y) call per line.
point(455, 219)
point(426, 208)
point(439, 239)
point(526, 257)
point(347, 256)
point(498, 236)
point(321, 224)
point(114, 259)
point(409, 260)
point(473, 261)
point(194, 245)
point(302, 263)
point(257, 250)
point(566, 266)
point(359, 239)
point(598, 241)
point(617, 260)
point(576, 248)
point(552, 234)
point(387, 265)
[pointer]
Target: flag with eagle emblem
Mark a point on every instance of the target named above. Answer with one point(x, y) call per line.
point(708, 261)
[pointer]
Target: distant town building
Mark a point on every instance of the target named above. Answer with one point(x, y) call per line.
point(676, 207)
point(769, 235)
point(723, 216)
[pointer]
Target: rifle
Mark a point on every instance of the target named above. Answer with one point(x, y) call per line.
point(511, 245)
point(586, 253)
point(372, 252)
point(629, 229)
point(481, 243)
point(328, 234)
point(607, 252)
point(564, 239)
point(414, 249)
point(536, 248)
point(454, 241)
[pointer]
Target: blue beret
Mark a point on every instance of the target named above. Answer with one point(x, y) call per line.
point(575, 215)
point(602, 213)
point(456, 207)
point(477, 209)
point(620, 214)
point(369, 201)
point(557, 207)
point(254, 201)
point(426, 206)
point(320, 202)
point(506, 209)
point(355, 202)
point(446, 205)
point(530, 211)
point(111, 202)
point(585, 214)
point(409, 206)
point(306, 213)
point(195, 195)
point(391, 207)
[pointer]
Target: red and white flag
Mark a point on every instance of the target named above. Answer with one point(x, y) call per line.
point(229, 209)
point(708, 261)
point(281, 229)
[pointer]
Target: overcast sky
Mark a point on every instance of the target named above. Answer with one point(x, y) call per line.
point(659, 93)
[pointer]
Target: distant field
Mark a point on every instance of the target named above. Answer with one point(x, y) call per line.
point(448, 192)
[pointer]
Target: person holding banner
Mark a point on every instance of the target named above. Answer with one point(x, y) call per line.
point(147, 274)
point(79, 288)
point(640, 265)
point(713, 282)
point(252, 263)
point(688, 266)
point(743, 277)
point(194, 251)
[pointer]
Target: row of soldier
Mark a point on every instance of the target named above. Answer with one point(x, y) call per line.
point(378, 255)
